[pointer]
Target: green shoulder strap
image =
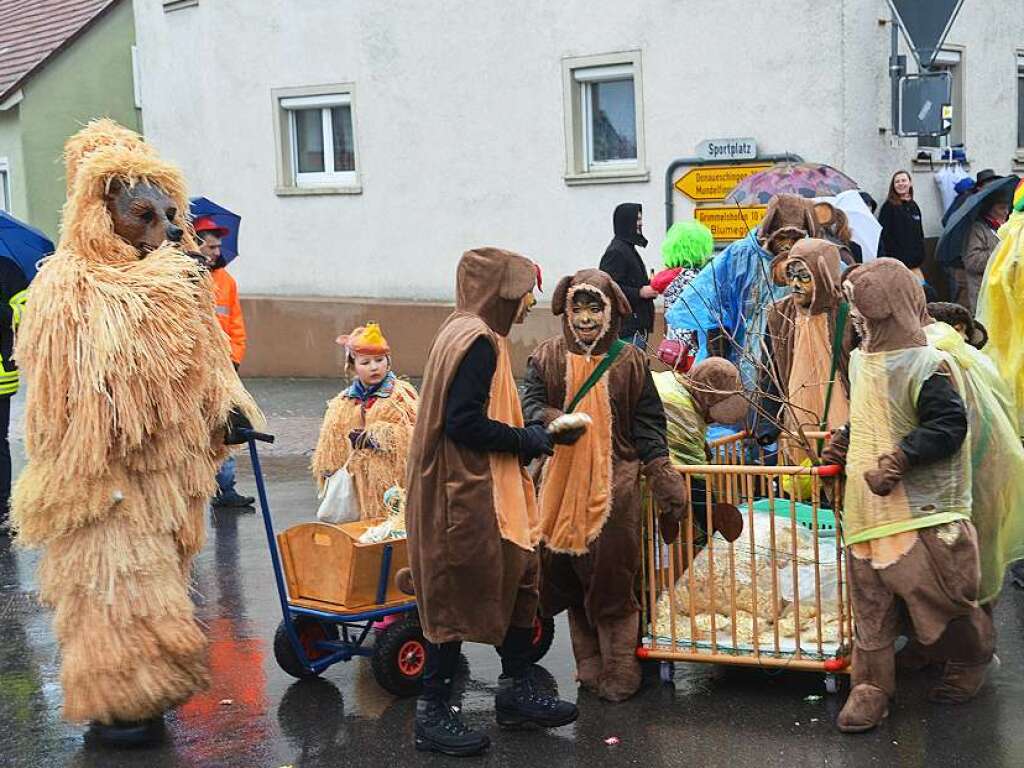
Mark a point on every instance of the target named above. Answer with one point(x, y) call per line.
point(837, 351)
point(602, 368)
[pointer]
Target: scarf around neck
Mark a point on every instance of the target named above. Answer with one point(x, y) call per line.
point(359, 391)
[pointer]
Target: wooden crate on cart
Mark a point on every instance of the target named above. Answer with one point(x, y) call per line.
point(326, 567)
point(777, 596)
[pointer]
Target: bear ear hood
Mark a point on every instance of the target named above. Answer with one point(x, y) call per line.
point(97, 158)
point(822, 260)
point(491, 282)
point(890, 302)
point(787, 212)
point(601, 284)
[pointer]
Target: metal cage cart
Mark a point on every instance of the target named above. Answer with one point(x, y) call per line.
point(777, 597)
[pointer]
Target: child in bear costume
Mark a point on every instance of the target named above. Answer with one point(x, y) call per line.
point(912, 550)
point(130, 394)
point(591, 509)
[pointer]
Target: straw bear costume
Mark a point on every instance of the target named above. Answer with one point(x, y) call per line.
point(130, 387)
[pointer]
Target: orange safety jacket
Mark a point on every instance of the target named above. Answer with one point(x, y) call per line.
point(229, 312)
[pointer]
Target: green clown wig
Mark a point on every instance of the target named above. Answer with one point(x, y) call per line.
point(687, 244)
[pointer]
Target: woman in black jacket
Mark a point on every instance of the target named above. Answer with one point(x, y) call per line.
point(902, 232)
point(622, 262)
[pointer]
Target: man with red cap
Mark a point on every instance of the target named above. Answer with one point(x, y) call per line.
point(229, 313)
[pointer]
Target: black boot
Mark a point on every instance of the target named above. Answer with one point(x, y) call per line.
point(440, 729)
point(121, 733)
point(519, 702)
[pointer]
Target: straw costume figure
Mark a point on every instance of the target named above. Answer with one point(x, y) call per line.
point(912, 550)
point(368, 427)
point(131, 401)
point(471, 512)
point(801, 338)
point(590, 503)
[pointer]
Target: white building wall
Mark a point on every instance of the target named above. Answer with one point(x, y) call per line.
point(459, 118)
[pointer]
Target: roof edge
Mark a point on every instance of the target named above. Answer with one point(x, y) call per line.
point(71, 40)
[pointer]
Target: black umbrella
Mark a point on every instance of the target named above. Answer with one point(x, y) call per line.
point(951, 245)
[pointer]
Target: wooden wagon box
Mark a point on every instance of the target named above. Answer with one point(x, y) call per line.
point(326, 567)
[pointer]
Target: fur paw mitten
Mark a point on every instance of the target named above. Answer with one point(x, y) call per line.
point(838, 446)
point(891, 468)
point(669, 491)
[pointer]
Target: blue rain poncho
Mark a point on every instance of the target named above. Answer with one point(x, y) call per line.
point(734, 291)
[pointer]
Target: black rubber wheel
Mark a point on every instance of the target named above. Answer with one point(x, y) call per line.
point(399, 657)
point(310, 632)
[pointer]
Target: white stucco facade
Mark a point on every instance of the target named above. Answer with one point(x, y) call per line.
point(459, 113)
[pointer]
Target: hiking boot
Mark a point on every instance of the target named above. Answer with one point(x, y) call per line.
point(519, 703)
point(440, 729)
point(866, 707)
point(233, 499)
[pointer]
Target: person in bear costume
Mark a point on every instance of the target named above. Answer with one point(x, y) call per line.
point(471, 509)
point(912, 549)
point(591, 508)
point(132, 400)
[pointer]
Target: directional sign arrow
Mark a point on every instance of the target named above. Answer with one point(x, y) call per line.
point(925, 24)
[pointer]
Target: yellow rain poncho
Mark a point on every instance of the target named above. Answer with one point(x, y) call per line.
point(999, 304)
point(885, 387)
point(686, 427)
point(997, 458)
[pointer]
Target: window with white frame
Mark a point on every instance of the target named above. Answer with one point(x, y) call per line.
point(952, 62)
point(316, 140)
point(6, 203)
point(604, 118)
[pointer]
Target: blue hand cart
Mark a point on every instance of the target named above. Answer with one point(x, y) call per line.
point(309, 640)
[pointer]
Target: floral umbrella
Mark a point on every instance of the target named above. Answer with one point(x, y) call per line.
point(804, 179)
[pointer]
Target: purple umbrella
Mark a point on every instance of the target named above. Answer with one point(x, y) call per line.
point(804, 179)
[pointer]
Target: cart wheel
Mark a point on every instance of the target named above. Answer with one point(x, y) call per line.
point(310, 632)
point(666, 671)
point(831, 684)
point(399, 657)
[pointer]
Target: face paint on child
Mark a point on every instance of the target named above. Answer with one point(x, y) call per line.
point(801, 282)
point(371, 369)
point(588, 316)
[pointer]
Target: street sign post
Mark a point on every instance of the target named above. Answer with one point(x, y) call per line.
point(925, 24)
point(730, 222)
point(714, 182)
point(925, 108)
point(727, 149)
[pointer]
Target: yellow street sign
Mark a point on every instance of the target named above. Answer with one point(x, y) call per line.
point(714, 182)
point(730, 222)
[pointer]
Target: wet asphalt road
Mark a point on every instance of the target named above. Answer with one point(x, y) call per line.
point(711, 716)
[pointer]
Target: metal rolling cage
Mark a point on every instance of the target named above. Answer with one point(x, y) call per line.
point(777, 597)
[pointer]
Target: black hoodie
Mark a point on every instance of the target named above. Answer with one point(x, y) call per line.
point(626, 268)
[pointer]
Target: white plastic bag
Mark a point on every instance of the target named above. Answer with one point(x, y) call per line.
point(338, 500)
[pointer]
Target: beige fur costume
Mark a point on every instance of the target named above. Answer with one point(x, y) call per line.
point(129, 387)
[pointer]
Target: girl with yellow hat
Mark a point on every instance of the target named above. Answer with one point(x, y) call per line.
point(368, 426)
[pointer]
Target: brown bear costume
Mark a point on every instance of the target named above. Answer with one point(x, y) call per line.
point(591, 507)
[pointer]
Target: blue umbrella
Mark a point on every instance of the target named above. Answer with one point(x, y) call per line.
point(222, 217)
point(22, 244)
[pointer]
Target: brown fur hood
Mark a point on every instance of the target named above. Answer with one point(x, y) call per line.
point(822, 260)
point(490, 283)
point(787, 212)
point(890, 303)
point(591, 281)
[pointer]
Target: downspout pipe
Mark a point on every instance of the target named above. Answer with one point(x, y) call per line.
point(680, 162)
